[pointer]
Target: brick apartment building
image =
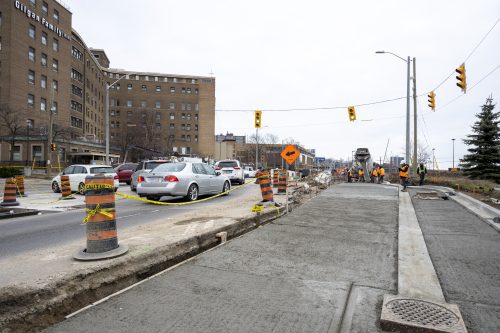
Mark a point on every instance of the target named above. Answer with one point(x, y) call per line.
point(49, 75)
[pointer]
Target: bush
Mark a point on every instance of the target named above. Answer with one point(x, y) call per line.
point(6, 172)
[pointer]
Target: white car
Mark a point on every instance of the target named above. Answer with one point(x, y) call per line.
point(249, 172)
point(77, 174)
point(232, 169)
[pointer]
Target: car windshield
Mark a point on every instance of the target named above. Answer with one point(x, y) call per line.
point(170, 167)
point(153, 164)
point(228, 164)
point(102, 170)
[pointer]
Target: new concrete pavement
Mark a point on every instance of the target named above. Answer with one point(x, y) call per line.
point(323, 268)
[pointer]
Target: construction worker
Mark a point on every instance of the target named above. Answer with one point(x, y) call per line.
point(361, 175)
point(374, 175)
point(404, 173)
point(381, 174)
point(349, 176)
point(421, 171)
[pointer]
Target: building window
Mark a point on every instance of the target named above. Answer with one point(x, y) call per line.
point(129, 103)
point(144, 87)
point(129, 113)
point(37, 154)
point(56, 15)
point(188, 138)
point(43, 81)
point(45, 8)
point(157, 104)
point(31, 31)
point(183, 91)
point(172, 126)
point(183, 116)
point(31, 100)
point(183, 137)
point(75, 106)
point(129, 86)
point(188, 90)
point(183, 127)
point(76, 75)
point(117, 86)
point(196, 138)
point(31, 77)
point(172, 90)
point(33, 3)
point(76, 90)
point(172, 116)
point(17, 152)
point(43, 104)
point(44, 38)
point(183, 106)
point(76, 53)
point(144, 104)
point(55, 65)
point(172, 106)
point(43, 60)
point(76, 122)
point(55, 45)
point(31, 54)
point(158, 126)
point(189, 116)
point(196, 91)
point(196, 116)
point(158, 116)
point(158, 89)
point(55, 85)
point(188, 127)
point(196, 127)
point(188, 106)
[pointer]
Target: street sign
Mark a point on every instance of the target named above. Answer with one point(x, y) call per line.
point(290, 154)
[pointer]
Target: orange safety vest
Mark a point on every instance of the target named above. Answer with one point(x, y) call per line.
point(375, 173)
point(361, 172)
point(403, 171)
point(382, 172)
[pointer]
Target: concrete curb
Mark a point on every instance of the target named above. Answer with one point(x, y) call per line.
point(31, 310)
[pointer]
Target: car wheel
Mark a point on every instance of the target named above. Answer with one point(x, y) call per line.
point(132, 188)
point(192, 194)
point(55, 187)
point(128, 182)
point(81, 188)
point(153, 198)
point(242, 181)
point(226, 188)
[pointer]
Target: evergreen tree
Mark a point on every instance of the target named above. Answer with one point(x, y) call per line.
point(484, 159)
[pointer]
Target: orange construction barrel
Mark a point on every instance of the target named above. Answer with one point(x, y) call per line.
point(9, 195)
point(66, 188)
point(265, 186)
point(282, 177)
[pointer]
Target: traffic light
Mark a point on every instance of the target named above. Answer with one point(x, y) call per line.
point(462, 80)
point(432, 100)
point(258, 119)
point(352, 113)
point(53, 147)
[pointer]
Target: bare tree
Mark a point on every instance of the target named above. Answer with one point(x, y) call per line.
point(423, 155)
point(12, 122)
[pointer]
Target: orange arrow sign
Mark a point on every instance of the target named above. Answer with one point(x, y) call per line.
point(290, 154)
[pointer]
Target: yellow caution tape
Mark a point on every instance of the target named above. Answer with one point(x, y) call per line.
point(180, 203)
point(257, 209)
point(97, 186)
point(98, 210)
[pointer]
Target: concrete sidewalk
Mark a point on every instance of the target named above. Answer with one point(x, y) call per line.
point(323, 268)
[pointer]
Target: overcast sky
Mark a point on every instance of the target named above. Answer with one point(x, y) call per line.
point(291, 54)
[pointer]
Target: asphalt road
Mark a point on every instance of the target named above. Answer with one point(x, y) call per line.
point(465, 252)
point(29, 233)
point(323, 268)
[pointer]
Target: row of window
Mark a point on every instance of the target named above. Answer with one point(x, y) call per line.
point(138, 77)
point(43, 103)
point(130, 87)
point(43, 59)
point(76, 122)
point(45, 10)
point(44, 37)
point(184, 116)
point(43, 80)
point(144, 104)
point(171, 137)
point(184, 127)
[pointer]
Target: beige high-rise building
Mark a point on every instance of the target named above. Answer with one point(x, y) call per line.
point(49, 75)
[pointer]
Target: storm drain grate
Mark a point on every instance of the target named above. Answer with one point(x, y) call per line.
point(407, 314)
point(422, 313)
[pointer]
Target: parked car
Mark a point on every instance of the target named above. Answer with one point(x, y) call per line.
point(249, 172)
point(125, 171)
point(144, 167)
point(186, 179)
point(77, 174)
point(232, 169)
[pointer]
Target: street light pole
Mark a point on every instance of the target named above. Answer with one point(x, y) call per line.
point(414, 114)
point(453, 140)
point(256, 148)
point(106, 116)
point(407, 154)
point(433, 159)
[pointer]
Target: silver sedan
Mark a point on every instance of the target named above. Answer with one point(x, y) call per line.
point(186, 179)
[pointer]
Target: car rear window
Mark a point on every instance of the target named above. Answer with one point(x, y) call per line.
point(154, 164)
point(170, 167)
point(228, 164)
point(102, 170)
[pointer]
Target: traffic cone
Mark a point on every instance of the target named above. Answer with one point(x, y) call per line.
point(66, 188)
point(282, 178)
point(265, 187)
point(9, 195)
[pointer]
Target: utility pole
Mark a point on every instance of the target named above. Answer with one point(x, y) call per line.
point(256, 148)
point(49, 135)
point(414, 115)
point(407, 157)
point(433, 159)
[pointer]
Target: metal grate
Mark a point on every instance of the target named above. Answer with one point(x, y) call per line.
point(422, 313)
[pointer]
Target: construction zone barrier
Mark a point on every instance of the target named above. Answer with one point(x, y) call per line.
point(265, 186)
point(9, 196)
point(102, 238)
point(20, 186)
point(276, 178)
point(66, 188)
point(282, 181)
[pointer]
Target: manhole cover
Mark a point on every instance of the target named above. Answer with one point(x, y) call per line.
point(422, 313)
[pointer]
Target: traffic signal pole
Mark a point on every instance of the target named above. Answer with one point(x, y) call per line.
point(414, 115)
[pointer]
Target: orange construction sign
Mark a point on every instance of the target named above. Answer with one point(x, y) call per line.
point(290, 154)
